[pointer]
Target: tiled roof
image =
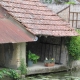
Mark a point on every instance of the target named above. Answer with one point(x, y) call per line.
point(37, 18)
point(11, 33)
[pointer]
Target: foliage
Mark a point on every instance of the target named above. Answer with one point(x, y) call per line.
point(56, 1)
point(70, 3)
point(1, 75)
point(33, 57)
point(11, 73)
point(22, 67)
point(78, 31)
point(48, 1)
point(73, 46)
point(60, 2)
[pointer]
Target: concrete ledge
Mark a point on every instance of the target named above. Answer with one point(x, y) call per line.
point(6, 78)
point(76, 64)
point(40, 68)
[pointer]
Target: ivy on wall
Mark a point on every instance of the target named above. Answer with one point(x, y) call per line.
point(61, 1)
point(73, 46)
point(55, 1)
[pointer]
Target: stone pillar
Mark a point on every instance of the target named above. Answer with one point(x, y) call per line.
point(18, 54)
point(64, 55)
point(15, 58)
point(23, 52)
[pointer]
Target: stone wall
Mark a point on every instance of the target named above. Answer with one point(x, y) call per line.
point(12, 58)
point(76, 64)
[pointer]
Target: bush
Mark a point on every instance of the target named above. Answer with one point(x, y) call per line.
point(9, 72)
point(23, 67)
point(70, 3)
point(13, 74)
point(1, 75)
point(73, 46)
point(33, 57)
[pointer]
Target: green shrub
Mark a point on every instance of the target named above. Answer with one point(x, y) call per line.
point(23, 67)
point(9, 72)
point(33, 57)
point(70, 2)
point(48, 1)
point(73, 46)
point(1, 75)
point(13, 74)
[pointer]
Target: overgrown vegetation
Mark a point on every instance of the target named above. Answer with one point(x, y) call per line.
point(70, 2)
point(33, 57)
point(48, 1)
point(13, 74)
point(10, 73)
point(22, 67)
point(73, 46)
point(59, 2)
point(55, 1)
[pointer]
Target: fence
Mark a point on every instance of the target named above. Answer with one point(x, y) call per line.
point(74, 14)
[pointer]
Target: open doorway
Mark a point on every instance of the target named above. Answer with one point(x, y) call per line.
point(49, 47)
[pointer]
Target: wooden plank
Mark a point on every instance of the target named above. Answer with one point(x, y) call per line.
point(47, 51)
point(43, 52)
point(57, 54)
point(50, 52)
point(73, 20)
point(76, 19)
point(39, 50)
point(54, 51)
point(69, 15)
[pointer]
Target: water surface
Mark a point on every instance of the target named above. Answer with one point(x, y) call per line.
point(74, 75)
